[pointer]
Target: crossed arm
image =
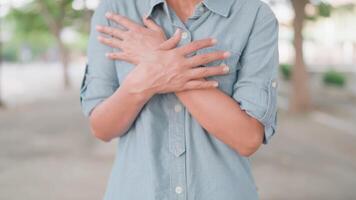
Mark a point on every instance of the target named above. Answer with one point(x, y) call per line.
point(217, 112)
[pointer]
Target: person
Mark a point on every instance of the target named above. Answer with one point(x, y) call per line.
point(189, 90)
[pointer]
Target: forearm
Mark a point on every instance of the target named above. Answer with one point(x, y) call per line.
point(114, 116)
point(221, 116)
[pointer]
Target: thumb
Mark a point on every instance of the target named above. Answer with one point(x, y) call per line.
point(171, 42)
point(151, 24)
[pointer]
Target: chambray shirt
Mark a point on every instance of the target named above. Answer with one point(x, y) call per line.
point(166, 154)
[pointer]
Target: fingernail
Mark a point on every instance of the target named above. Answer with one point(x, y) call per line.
point(98, 27)
point(226, 69)
point(227, 54)
point(214, 41)
point(215, 84)
point(177, 31)
point(108, 14)
point(107, 54)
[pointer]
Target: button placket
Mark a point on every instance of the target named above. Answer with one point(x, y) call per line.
point(176, 128)
point(178, 178)
point(177, 149)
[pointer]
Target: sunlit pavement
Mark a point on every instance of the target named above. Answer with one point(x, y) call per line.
point(47, 153)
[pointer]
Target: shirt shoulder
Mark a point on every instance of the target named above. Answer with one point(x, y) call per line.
point(127, 7)
point(255, 10)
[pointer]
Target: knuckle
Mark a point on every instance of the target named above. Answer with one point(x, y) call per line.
point(115, 18)
point(198, 84)
point(106, 41)
point(188, 85)
point(204, 56)
point(221, 54)
point(104, 29)
point(205, 71)
point(198, 46)
point(136, 29)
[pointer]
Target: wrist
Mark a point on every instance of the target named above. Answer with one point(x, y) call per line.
point(181, 93)
point(141, 96)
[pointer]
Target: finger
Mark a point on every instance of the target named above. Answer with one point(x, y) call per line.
point(206, 58)
point(122, 20)
point(110, 31)
point(151, 24)
point(196, 45)
point(202, 72)
point(117, 56)
point(171, 42)
point(122, 56)
point(200, 84)
point(111, 42)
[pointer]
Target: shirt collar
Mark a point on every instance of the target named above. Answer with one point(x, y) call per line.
point(221, 7)
point(152, 4)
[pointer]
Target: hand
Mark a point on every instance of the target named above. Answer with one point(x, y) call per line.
point(171, 71)
point(161, 66)
point(136, 42)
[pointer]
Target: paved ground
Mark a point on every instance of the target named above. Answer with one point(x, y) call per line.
point(47, 153)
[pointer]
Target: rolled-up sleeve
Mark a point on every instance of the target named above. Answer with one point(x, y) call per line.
point(100, 77)
point(256, 87)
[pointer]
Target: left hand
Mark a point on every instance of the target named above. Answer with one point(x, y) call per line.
point(136, 42)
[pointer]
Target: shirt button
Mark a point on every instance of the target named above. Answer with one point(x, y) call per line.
point(177, 108)
point(201, 9)
point(184, 35)
point(179, 189)
point(274, 84)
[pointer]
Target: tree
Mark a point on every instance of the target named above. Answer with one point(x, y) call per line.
point(300, 97)
point(300, 100)
point(50, 16)
point(1, 102)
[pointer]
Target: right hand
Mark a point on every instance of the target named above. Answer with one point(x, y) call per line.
point(160, 66)
point(168, 69)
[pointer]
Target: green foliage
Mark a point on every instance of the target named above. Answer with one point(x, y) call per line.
point(9, 53)
point(324, 9)
point(286, 70)
point(334, 78)
point(38, 24)
point(44, 15)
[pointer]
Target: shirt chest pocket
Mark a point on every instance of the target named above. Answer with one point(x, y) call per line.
point(226, 81)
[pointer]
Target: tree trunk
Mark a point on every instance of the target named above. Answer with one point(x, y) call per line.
point(56, 26)
point(300, 97)
point(64, 56)
point(1, 102)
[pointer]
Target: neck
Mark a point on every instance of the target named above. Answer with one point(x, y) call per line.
point(183, 8)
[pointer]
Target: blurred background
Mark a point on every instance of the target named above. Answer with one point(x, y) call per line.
point(47, 151)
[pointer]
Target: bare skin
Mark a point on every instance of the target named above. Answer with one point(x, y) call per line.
point(217, 112)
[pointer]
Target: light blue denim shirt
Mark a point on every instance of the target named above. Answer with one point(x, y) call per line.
point(166, 154)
